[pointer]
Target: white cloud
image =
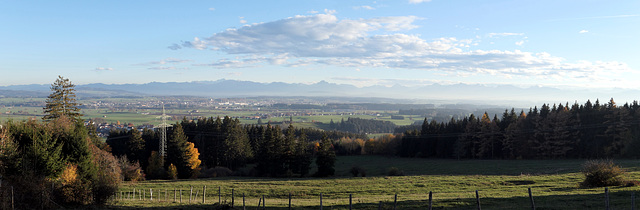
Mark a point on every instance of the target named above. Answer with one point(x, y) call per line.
point(231, 64)
point(212, 9)
point(491, 35)
point(165, 61)
point(103, 69)
point(520, 43)
point(377, 42)
point(242, 20)
point(367, 7)
point(167, 68)
point(583, 31)
point(418, 1)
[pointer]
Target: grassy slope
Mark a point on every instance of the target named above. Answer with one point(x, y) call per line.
point(501, 184)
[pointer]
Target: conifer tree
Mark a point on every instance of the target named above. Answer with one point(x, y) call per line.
point(181, 153)
point(302, 157)
point(62, 101)
point(326, 158)
point(237, 147)
point(135, 147)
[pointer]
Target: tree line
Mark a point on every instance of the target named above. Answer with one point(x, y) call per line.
point(225, 142)
point(590, 130)
point(359, 125)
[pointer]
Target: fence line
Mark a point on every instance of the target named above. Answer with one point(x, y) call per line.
point(141, 193)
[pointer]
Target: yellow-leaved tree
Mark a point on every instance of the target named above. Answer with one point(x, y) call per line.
point(193, 161)
point(182, 154)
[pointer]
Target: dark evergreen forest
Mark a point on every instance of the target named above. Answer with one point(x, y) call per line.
point(591, 130)
point(227, 143)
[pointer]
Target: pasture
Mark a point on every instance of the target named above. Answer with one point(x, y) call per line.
point(502, 184)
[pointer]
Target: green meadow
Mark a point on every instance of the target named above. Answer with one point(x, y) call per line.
point(501, 184)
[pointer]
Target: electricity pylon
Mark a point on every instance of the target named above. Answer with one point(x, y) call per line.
point(163, 134)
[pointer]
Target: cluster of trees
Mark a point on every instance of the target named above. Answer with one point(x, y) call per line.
point(56, 162)
point(359, 125)
point(140, 149)
point(224, 142)
point(591, 130)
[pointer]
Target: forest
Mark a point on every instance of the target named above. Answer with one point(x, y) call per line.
point(224, 142)
point(590, 130)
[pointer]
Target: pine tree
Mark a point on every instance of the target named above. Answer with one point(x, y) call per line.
point(237, 147)
point(302, 157)
point(326, 158)
point(181, 153)
point(135, 147)
point(62, 101)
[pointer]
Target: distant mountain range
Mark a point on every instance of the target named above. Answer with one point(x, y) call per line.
point(456, 93)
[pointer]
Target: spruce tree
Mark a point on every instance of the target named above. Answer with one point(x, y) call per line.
point(180, 153)
point(135, 147)
point(62, 101)
point(326, 158)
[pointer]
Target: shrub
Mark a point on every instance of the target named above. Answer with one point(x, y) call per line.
point(217, 171)
point(601, 173)
point(172, 172)
point(354, 171)
point(358, 170)
point(108, 177)
point(393, 171)
point(131, 171)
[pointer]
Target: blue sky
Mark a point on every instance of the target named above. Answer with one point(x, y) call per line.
point(557, 43)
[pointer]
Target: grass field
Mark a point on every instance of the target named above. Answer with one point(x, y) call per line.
point(502, 184)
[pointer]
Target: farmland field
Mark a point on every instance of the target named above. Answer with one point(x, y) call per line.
point(502, 184)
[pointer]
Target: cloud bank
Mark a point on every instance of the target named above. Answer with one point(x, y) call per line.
point(381, 42)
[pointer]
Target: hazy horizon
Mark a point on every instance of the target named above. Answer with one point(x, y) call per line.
point(565, 45)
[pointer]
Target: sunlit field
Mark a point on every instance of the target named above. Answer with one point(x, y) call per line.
point(502, 184)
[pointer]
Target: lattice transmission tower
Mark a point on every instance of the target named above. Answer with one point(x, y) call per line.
point(163, 134)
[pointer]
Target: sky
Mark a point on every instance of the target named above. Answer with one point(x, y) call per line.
point(552, 43)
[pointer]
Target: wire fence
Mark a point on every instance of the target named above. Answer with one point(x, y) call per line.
point(200, 196)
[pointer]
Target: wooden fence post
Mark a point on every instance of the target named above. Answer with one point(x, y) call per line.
point(430, 200)
point(190, 193)
point(289, 200)
point(633, 200)
point(196, 197)
point(606, 197)
point(144, 195)
point(395, 201)
point(151, 193)
point(350, 201)
point(533, 204)
point(12, 206)
point(232, 197)
point(380, 205)
point(204, 194)
point(478, 200)
point(320, 201)
point(259, 202)
point(134, 194)
point(243, 206)
point(180, 195)
point(174, 194)
point(264, 201)
point(219, 196)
